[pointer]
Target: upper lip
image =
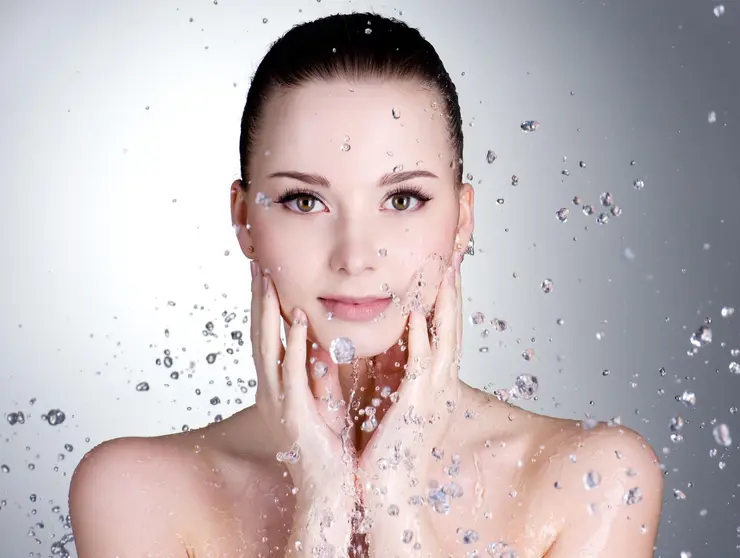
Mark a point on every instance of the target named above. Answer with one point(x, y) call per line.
point(353, 299)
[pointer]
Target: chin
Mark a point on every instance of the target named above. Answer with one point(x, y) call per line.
point(369, 338)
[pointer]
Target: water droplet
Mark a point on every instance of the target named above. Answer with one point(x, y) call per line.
point(528, 354)
point(55, 417)
point(290, 456)
point(547, 286)
point(722, 435)
point(719, 10)
point(514, 180)
point(727, 311)
point(712, 117)
point(701, 337)
point(562, 214)
point(525, 387)
point(734, 367)
point(602, 219)
point(368, 31)
point(529, 125)
point(588, 209)
point(261, 199)
point(676, 424)
point(345, 147)
point(398, 168)
point(606, 199)
point(382, 252)
point(633, 496)
point(592, 479)
point(491, 157)
point(396, 113)
point(467, 536)
point(342, 350)
point(142, 386)
point(264, 20)
point(616, 211)
point(477, 318)
point(638, 184)
point(688, 398)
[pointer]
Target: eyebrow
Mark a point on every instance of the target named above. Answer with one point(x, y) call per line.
point(386, 180)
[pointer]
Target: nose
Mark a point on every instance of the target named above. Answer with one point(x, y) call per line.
point(354, 252)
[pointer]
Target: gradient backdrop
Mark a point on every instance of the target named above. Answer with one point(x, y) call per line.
point(120, 129)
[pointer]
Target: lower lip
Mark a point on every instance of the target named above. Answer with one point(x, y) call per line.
point(356, 312)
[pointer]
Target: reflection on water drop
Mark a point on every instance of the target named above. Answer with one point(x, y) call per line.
point(342, 350)
point(54, 417)
point(633, 496)
point(260, 198)
point(722, 435)
point(688, 398)
point(525, 387)
point(547, 286)
point(701, 337)
point(477, 318)
point(529, 125)
point(592, 479)
point(290, 456)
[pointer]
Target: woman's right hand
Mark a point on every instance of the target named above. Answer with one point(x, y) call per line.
point(298, 418)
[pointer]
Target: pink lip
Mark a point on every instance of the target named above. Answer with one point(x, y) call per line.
point(355, 309)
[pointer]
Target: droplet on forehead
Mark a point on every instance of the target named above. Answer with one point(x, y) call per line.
point(396, 113)
point(342, 350)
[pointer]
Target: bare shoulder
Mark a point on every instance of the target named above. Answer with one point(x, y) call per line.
point(606, 483)
point(146, 486)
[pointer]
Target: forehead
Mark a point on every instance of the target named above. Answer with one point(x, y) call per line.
point(336, 127)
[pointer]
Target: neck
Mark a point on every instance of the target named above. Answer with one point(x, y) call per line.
point(366, 387)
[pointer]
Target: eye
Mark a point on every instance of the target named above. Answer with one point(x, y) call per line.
point(300, 201)
point(407, 199)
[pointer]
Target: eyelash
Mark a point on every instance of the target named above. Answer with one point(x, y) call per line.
point(412, 191)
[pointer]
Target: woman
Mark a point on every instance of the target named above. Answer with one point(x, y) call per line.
point(363, 440)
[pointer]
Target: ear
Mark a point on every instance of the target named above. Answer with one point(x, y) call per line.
point(239, 218)
point(466, 218)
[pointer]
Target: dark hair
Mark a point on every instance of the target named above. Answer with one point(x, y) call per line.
point(349, 46)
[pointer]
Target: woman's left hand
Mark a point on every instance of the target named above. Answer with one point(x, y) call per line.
point(419, 419)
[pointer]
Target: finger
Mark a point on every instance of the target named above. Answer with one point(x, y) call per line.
point(325, 383)
point(270, 347)
point(445, 318)
point(256, 321)
point(295, 381)
point(419, 345)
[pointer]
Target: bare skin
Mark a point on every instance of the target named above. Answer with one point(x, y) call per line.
point(219, 492)
point(543, 486)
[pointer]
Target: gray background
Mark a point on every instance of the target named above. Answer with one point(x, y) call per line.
point(115, 224)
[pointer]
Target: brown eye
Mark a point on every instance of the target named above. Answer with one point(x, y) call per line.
point(305, 204)
point(401, 202)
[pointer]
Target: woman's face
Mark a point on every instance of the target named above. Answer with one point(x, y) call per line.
point(353, 206)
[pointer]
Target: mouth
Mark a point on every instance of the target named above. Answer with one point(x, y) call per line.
point(355, 309)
